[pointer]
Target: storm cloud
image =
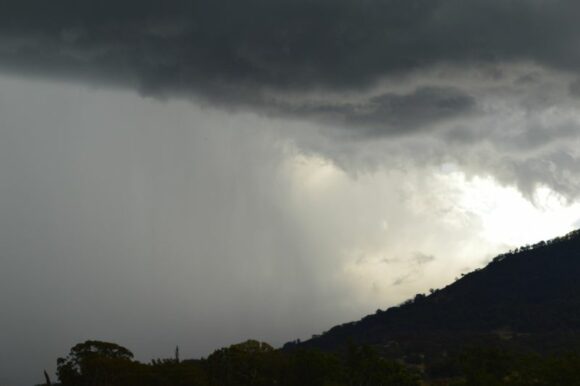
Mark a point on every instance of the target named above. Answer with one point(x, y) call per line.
point(263, 54)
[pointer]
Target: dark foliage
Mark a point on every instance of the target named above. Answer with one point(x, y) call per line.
point(250, 363)
point(255, 363)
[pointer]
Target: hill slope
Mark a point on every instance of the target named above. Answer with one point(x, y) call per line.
point(529, 297)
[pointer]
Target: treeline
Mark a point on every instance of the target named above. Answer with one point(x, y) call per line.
point(251, 363)
point(573, 235)
point(254, 363)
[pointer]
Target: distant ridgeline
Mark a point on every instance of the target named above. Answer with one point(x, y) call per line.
point(515, 322)
point(528, 299)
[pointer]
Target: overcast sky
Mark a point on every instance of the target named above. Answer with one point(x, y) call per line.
point(197, 173)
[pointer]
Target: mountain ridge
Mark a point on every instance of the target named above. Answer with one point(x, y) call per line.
point(524, 295)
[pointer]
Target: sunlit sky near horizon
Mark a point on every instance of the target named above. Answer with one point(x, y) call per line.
point(172, 174)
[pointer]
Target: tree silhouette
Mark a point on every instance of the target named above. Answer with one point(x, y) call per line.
point(93, 362)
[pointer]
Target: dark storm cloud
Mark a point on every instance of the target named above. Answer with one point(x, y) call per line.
point(239, 53)
point(396, 112)
point(574, 88)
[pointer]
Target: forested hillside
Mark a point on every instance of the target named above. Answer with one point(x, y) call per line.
point(529, 297)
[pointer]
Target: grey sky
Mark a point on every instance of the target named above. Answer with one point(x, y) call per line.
point(202, 172)
point(160, 223)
